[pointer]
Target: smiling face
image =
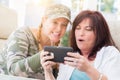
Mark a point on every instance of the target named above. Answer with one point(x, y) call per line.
point(85, 36)
point(54, 29)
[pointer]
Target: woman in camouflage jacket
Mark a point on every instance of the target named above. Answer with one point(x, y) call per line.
point(21, 56)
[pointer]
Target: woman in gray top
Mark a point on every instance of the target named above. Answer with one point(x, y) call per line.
point(21, 56)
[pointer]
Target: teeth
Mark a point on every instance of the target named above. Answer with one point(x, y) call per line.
point(56, 33)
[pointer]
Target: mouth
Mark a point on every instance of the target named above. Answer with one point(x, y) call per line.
point(56, 34)
point(80, 40)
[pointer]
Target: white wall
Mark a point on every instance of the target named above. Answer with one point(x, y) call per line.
point(19, 7)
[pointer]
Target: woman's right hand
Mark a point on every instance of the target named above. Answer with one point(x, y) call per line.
point(46, 62)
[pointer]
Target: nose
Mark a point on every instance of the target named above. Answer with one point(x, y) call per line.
point(81, 32)
point(58, 28)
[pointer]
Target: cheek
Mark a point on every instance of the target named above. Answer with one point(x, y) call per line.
point(76, 34)
point(45, 30)
point(48, 29)
point(63, 32)
point(92, 39)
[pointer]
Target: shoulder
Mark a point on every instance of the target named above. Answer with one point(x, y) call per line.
point(34, 30)
point(108, 62)
point(108, 51)
point(20, 32)
point(107, 54)
point(110, 48)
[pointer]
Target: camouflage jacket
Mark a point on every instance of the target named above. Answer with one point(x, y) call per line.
point(21, 56)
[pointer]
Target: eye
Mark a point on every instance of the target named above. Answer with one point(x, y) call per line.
point(54, 22)
point(89, 28)
point(78, 27)
point(64, 24)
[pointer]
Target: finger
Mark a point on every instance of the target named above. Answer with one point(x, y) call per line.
point(47, 66)
point(75, 55)
point(71, 59)
point(74, 63)
point(70, 63)
point(49, 63)
point(53, 63)
point(46, 58)
point(44, 53)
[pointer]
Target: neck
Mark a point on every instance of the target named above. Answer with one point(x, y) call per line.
point(85, 53)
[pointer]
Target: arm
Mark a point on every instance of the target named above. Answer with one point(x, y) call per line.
point(18, 62)
point(94, 74)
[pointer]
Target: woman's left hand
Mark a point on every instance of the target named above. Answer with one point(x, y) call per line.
point(46, 62)
point(78, 61)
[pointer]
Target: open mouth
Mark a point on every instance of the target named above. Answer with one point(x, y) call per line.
point(80, 40)
point(56, 34)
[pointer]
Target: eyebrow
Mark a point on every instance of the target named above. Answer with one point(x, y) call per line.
point(86, 26)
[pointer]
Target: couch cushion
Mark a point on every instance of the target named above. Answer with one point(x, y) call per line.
point(8, 21)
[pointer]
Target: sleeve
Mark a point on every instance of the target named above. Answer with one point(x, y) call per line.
point(111, 64)
point(18, 62)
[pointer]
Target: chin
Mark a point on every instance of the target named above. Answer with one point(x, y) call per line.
point(55, 40)
point(80, 47)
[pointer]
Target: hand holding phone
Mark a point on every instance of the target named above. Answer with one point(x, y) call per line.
point(58, 52)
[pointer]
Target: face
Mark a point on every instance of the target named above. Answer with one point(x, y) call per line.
point(54, 29)
point(85, 36)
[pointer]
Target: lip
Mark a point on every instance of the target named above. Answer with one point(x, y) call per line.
point(56, 34)
point(80, 40)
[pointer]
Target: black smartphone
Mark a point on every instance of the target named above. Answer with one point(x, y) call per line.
point(58, 52)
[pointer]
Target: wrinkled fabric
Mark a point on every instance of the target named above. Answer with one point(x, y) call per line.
point(21, 56)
